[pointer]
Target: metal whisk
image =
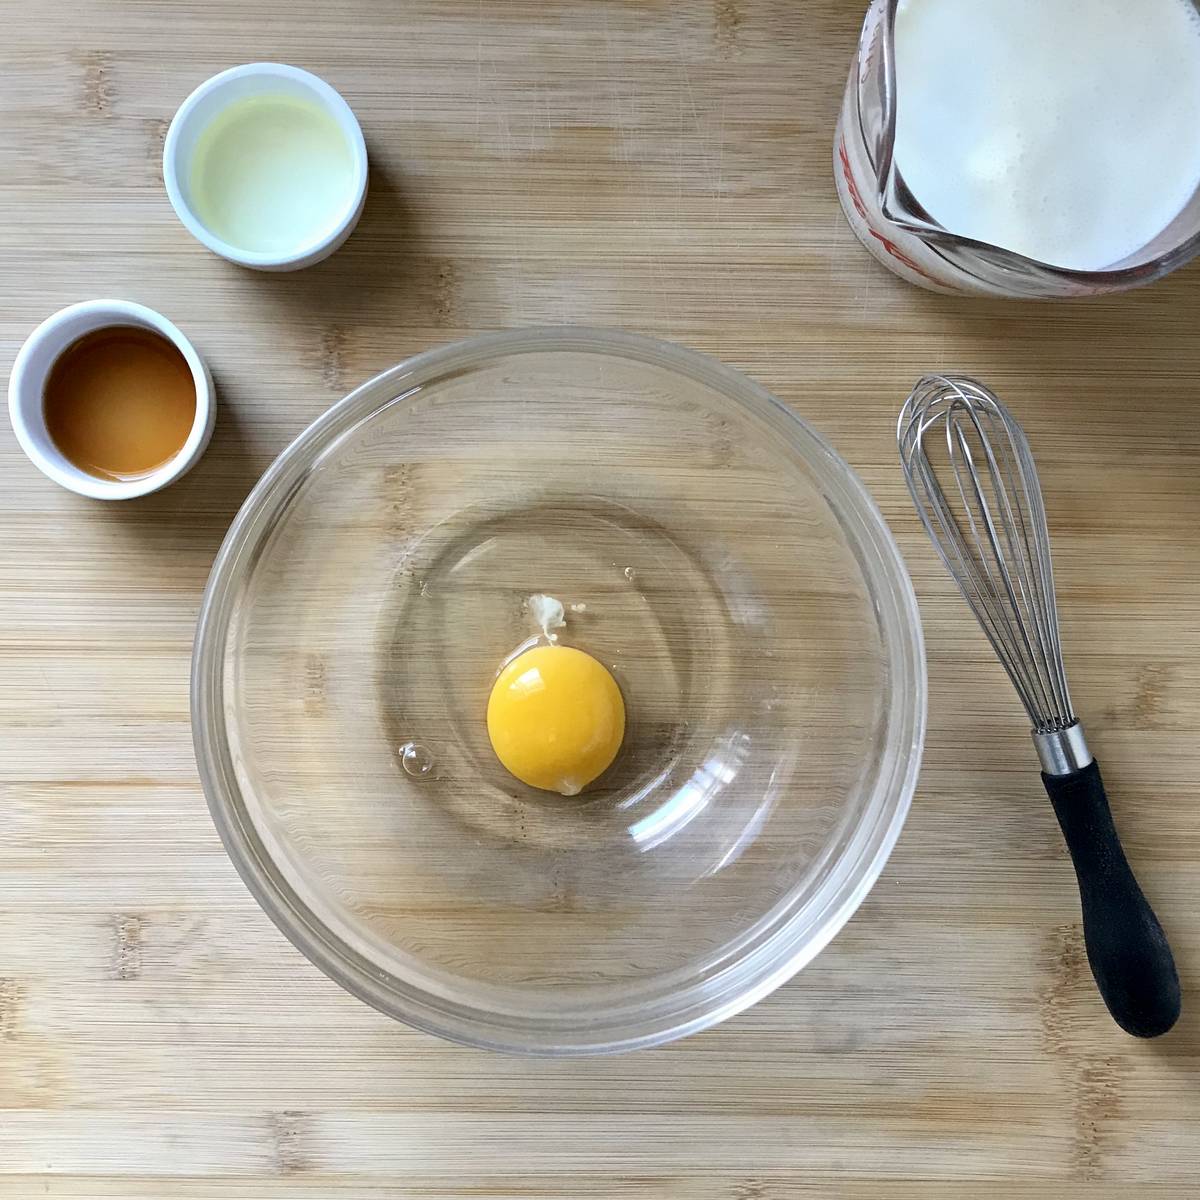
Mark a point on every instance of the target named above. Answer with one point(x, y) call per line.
point(972, 477)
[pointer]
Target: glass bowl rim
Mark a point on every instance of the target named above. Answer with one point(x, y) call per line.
point(678, 1011)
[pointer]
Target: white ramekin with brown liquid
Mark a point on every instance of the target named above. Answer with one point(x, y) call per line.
point(109, 399)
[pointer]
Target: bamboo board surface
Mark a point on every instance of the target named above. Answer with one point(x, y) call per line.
point(659, 167)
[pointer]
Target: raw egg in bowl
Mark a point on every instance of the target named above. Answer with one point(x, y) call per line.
point(559, 691)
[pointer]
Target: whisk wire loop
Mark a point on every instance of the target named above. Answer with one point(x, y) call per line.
point(983, 508)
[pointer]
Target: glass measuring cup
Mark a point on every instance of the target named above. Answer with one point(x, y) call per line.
point(889, 220)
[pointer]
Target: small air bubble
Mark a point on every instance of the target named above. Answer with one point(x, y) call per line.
point(417, 760)
point(629, 574)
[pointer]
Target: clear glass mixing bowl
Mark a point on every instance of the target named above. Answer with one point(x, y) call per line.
point(709, 547)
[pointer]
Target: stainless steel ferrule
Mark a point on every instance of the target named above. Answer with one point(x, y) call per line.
point(1062, 751)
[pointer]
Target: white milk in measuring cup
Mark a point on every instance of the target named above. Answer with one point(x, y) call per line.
point(1025, 147)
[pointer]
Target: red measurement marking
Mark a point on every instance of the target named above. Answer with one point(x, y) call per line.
point(861, 208)
point(849, 178)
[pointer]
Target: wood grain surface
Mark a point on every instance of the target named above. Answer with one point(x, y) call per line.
point(660, 167)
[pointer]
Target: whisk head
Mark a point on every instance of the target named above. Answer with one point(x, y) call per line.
point(972, 477)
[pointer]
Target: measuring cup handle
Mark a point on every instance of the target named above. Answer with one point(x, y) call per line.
point(1126, 947)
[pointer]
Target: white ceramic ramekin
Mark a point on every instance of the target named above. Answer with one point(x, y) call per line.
point(28, 379)
point(215, 94)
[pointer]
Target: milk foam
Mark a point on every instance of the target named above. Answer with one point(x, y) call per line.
point(1065, 130)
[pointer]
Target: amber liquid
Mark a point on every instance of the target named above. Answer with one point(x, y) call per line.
point(120, 402)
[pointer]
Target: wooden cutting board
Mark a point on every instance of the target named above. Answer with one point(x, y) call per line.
point(661, 167)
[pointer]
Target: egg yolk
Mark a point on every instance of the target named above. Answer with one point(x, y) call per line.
point(556, 718)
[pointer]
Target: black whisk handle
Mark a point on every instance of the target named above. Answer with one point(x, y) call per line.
point(1126, 946)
